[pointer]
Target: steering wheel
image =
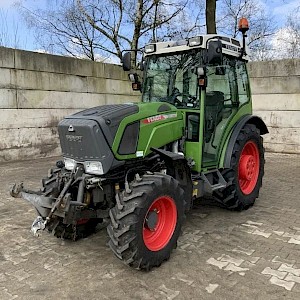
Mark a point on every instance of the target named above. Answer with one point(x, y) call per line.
point(192, 100)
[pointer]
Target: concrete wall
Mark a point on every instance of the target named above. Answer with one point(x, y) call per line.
point(38, 90)
point(276, 98)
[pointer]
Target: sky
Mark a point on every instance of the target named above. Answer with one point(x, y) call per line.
point(14, 26)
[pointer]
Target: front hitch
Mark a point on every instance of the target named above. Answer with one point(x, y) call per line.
point(46, 206)
point(42, 204)
point(62, 211)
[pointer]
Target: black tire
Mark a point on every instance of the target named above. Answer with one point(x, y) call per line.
point(128, 221)
point(52, 188)
point(239, 196)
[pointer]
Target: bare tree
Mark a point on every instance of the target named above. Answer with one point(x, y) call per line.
point(287, 40)
point(93, 28)
point(9, 31)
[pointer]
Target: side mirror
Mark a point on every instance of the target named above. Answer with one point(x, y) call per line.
point(126, 61)
point(214, 52)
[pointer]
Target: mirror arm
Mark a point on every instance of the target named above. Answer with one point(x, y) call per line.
point(243, 49)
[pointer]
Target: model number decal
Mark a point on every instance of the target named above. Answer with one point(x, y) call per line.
point(74, 138)
point(158, 118)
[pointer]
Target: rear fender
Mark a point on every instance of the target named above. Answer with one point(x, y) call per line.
point(248, 119)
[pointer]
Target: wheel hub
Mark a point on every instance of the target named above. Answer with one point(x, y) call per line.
point(247, 167)
point(159, 223)
point(151, 219)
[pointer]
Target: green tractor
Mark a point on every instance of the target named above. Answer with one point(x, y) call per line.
point(136, 168)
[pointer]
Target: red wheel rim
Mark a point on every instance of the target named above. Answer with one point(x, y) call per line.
point(163, 211)
point(248, 167)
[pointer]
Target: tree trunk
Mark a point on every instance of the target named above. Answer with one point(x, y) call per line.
point(210, 13)
point(137, 31)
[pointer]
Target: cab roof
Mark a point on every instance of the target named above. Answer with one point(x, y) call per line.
point(230, 46)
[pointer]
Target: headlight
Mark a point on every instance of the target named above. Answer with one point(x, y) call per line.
point(70, 164)
point(93, 167)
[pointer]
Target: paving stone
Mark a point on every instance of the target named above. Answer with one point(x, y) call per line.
point(232, 260)
point(294, 241)
point(286, 268)
point(211, 288)
point(286, 284)
point(217, 263)
point(233, 268)
point(291, 277)
point(243, 250)
point(276, 273)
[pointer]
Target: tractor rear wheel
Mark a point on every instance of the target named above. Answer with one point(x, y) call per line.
point(246, 170)
point(146, 223)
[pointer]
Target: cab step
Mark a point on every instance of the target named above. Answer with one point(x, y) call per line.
point(213, 180)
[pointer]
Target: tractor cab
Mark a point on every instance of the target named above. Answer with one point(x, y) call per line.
point(206, 79)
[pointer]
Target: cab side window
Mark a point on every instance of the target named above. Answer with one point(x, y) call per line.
point(242, 82)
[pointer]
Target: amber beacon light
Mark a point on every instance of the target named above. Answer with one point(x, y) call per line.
point(243, 25)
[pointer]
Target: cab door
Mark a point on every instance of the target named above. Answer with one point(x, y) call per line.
point(220, 105)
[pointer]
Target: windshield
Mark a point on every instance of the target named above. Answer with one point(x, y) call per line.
point(173, 79)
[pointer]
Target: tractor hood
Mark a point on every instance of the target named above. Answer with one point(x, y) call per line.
point(108, 117)
point(111, 134)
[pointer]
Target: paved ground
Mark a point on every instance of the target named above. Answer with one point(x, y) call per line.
point(221, 255)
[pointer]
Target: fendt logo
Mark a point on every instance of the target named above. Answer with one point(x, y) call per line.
point(158, 118)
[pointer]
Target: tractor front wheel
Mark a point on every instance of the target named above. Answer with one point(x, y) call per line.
point(146, 223)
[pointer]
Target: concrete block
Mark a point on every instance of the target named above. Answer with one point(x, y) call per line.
point(115, 99)
point(287, 119)
point(285, 67)
point(276, 85)
point(283, 135)
point(34, 80)
point(96, 85)
point(7, 57)
point(276, 102)
point(6, 78)
point(98, 70)
point(114, 72)
point(23, 153)
point(27, 137)
point(55, 99)
point(34, 118)
point(26, 60)
point(8, 98)
point(282, 148)
point(117, 87)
